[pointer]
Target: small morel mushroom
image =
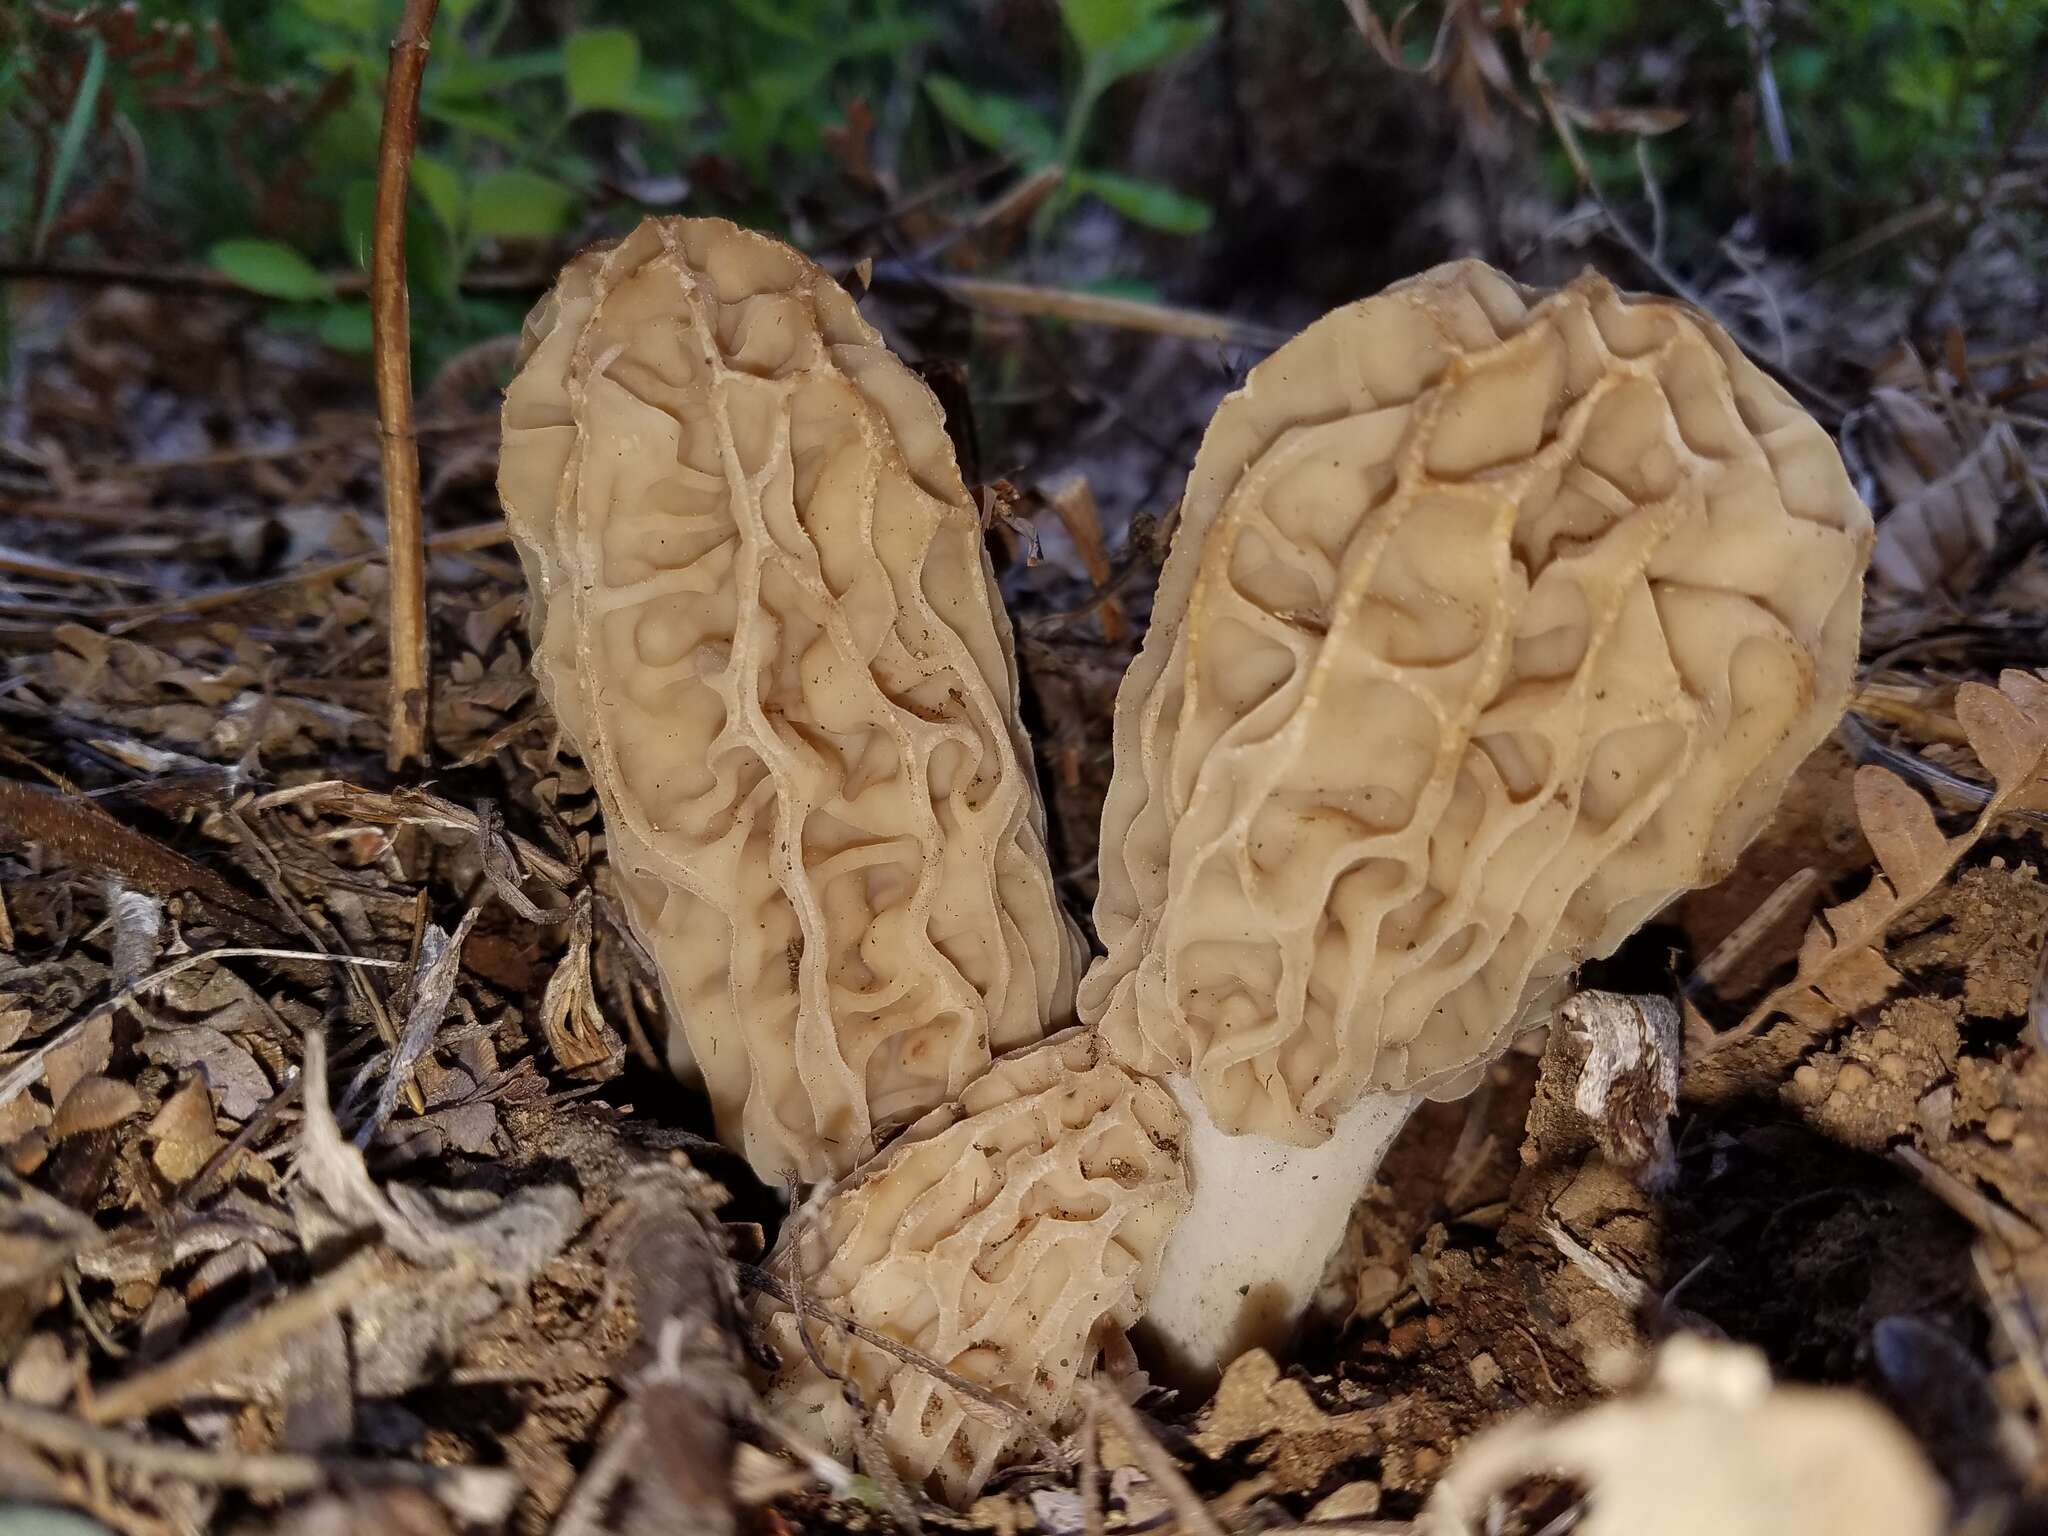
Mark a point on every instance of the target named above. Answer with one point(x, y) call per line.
point(763, 615)
point(1493, 622)
point(1000, 1238)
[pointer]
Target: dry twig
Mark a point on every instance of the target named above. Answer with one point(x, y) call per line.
point(474, 1491)
point(1193, 1515)
point(391, 332)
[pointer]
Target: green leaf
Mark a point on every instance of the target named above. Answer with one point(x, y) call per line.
point(345, 327)
point(441, 185)
point(485, 122)
point(358, 214)
point(1100, 24)
point(520, 205)
point(1150, 203)
point(352, 15)
point(770, 17)
point(664, 96)
point(1153, 43)
point(430, 267)
point(72, 141)
point(471, 80)
point(268, 267)
point(602, 65)
point(988, 117)
point(890, 35)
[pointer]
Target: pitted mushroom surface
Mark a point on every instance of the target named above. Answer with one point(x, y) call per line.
point(999, 1237)
point(764, 616)
point(1494, 620)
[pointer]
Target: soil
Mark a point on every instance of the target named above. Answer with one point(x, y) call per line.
point(542, 1247)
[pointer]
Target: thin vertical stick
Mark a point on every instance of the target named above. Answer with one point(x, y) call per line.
point(391, 333)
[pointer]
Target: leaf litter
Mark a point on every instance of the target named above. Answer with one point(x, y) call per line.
point(339, 1190)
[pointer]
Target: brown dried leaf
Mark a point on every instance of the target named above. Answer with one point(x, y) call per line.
point(574, 1025)
point(2029, 690)
point(94, 1104)
point(230, 1070)
point(15, 1018)
point(1841, 960)
point(1901, 828)
point(1944, 493)
point(184, 1132)
point(433, 989)
point(1857, 978)
point(1299, 1443)
point(2006, 740)
point(80, 1056)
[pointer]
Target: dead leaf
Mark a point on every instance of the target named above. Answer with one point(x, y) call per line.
point(1842, 968)
point(184, 1132)
point(41, 1372)
point(15, 1018)
point(86, 1052)
point(2006, 741)
point(1299, 1444)
point(1943, 493)
point(440, 960)
point(583, 1041)
point(1901, 829)
point(230, 1070)
point(94, 1104)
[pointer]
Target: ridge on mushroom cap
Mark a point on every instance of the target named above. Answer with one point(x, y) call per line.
point(763, 614)
point(1493, 622)
point(997, 1237)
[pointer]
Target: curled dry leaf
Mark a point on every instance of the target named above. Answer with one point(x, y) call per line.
point(583, 1041)
point(433, 987)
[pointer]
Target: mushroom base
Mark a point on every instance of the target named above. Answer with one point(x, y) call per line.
point(1266, 1216)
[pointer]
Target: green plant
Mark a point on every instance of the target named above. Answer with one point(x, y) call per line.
point(1885, 102)
point(496, 163)
point(1112, 39)
point(261, 126)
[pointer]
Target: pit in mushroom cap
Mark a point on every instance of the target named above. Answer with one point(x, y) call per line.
point(998, 1237)
point(1493, 622)
point(764, 616)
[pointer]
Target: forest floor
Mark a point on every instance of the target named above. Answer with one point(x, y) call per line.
point(204, 864)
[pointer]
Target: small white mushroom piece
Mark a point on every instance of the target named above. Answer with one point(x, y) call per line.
point(1494, 620)
point(763, 615)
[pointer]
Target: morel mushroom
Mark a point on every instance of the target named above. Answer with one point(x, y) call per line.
point(1493, 622)
point(999, 1237)
point(763, 614)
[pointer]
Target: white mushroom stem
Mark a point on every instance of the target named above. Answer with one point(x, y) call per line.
point(1265, 1218)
